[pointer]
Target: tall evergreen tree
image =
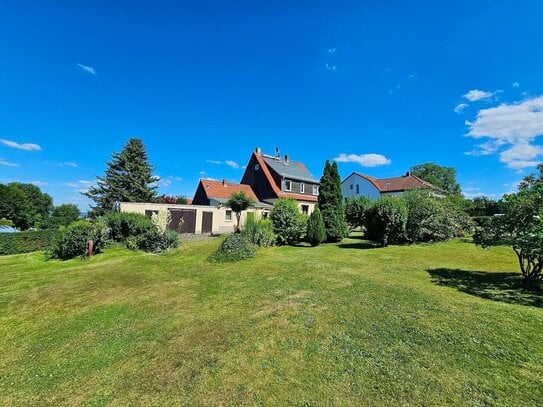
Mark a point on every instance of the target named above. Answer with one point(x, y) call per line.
point(331, 203)
point(128, 178)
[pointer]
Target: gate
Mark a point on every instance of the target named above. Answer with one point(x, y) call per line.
point(207, 222)
point(183, 220)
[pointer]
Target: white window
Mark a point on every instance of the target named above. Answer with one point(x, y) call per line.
point(288, 185)
point(302, 188)
point(315, 189)
point(228, 215)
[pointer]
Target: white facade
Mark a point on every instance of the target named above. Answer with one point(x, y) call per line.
point(356, 185)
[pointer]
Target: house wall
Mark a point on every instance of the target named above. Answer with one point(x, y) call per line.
point(257, 180)
point(200, 196)
point(220, 224)
point(366, 188)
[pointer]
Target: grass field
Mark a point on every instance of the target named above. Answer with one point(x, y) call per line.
point(343, 324)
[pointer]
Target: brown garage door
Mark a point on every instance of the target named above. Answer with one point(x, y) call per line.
point(207, 222)
point(183, 220)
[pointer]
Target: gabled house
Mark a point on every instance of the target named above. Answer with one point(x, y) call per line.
point(274, 177)
point(216, 193)
point(357, 184)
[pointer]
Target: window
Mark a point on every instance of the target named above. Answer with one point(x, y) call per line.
point(257, 167)
point(288, 185)
point(305, 209)
point(351, 186)
point(302, 188)
point(315, 189)
point(228, 215)
point(357, 189)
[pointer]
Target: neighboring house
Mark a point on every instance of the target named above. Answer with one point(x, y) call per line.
point(274, 177)
point(357, 184)
point(216, 193)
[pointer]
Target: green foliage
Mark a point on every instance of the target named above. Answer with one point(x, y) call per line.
point(355, 211)
point(71, 240)
point(455, 207)
point(153, 241)
point(484, 206)
point(521, 228)
point(62, 215)
point(331, 203)
point(316, 233)
point(427, 219)
point(260, 232)
point(288, 222)
point(386, 220)
point(234, 248)
point(24, 204)
point(128, 178)
point(238, 202)
point(25, 242)
point(124, 225)
point(439, 176)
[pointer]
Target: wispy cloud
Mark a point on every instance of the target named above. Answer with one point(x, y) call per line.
point(460, 107)
point(513, 126)
point(365, 160)
point(82, 186)
point(331, 51)
point(7, 163)
point(476, 94)
point(88, 69)
point(20, 146)
point(202, 173)
point(68, 164)
point(232, 164)
point(213, 162)
point(515, 84)
point(331, 67)
point(39, 183)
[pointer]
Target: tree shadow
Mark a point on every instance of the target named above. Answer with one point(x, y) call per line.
point(359, 245)
point(503, 287)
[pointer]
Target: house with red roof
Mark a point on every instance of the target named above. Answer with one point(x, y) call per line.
point(216, 193)
point(357, 184)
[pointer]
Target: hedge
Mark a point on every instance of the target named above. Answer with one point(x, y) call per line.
point(25, 242)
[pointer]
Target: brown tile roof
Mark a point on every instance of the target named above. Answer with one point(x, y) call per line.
point(397, 184)
point(224, 189)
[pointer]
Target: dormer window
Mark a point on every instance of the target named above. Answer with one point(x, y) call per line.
point(302, 188)
point(288, 185)
point(315, 189)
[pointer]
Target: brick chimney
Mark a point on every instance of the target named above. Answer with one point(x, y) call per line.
point(224, 183)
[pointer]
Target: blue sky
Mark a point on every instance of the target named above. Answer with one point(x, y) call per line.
point(378, 86)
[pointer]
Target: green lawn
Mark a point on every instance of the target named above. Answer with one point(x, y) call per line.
point(334, 325)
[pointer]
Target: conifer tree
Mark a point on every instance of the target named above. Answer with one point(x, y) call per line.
point(331, 203)
point(316, 233)
point(128, 178)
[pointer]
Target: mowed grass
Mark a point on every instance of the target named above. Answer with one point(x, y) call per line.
point(344, 324)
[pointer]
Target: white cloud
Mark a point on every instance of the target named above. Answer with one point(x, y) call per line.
point(460, 107)
point(88, 69)
point(330, 67)
point(412, 76)
point(476, 94)
point(232, 164)
point(213, 162)
point(514, 126)
point(515, 84)
point(72, 184)
point(68, 164)
point(7, 163)
point(23, 146)
point(202, 173)
point(38, 183)
point(331, 51)
point(166, 183)
point(365, 160)
point(87, 183)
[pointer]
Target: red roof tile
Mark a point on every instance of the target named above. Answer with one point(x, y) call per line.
point(397, 184)
point(224, 189)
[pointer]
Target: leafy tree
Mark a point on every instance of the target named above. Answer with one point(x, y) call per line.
point(331, 203)
point(484, 206)
point(520, 227)
point(439, 176)
point(316, 233)
point(128, 178)
point(355, 211)
point(238, 202)
point(288, 222)
point(62, 215)
point(24, 204)
point(386, 220)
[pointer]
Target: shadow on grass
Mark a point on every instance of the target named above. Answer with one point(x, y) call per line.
point(358, 245)
point(503, 287)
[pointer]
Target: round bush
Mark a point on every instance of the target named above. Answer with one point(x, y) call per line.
point(259, 233)
point(153, 241)
point(71, 241)
point(386, 219)
point(124, 225)
point(288, 223)
point(234, 248)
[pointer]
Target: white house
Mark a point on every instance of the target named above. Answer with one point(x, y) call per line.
point(357, 184)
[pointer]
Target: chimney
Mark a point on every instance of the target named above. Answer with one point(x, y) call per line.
point(407, 174)
point(224, 183)
point(258, 150)
point(286, 158)
point(276, 153)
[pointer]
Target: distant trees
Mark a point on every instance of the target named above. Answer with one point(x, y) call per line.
point(439, 176)
point(238, 202)
point(24, 204)
point(128, 178)
point(62, 215)
point(330, 203)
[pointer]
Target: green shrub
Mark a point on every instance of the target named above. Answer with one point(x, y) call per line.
point(25, 242)
point(355, 211)
point(71, 240)
point(234, 248)
point(316, 233)
point(259, 233)
point(288, 222)
point(124, 225)
point(386, 219)
point(153, 241)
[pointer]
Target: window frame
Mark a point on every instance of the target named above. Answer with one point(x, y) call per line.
point(228, 218)
point(289, 189)
point(315, 190)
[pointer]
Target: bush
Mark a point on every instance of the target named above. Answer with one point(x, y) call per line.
point(123, 225)
point(72, 240)
point(25, 242)
point(355, 211)
point(234, 248)
point(288, 222)
point(259, 233)
point(154, 241)
point(386, 220)
point(316, 233)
